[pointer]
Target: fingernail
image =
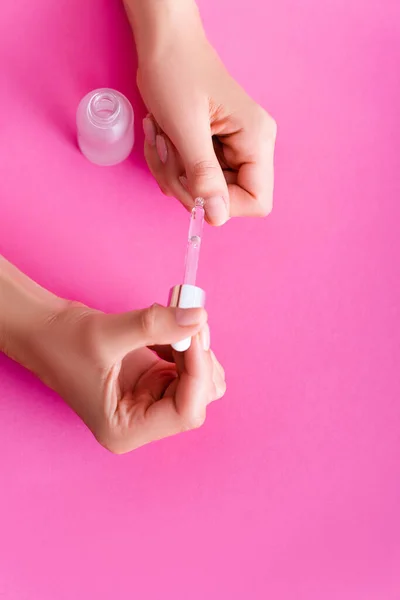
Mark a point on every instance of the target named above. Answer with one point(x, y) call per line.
point(184, 182)
point(205, 337)
point(149, 131)
point(162, 150)
point(216, 210)
point(188, 316)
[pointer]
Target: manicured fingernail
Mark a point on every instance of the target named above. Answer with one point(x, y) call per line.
point(184, 182)
point(205, 337)
point(188, 316)
point(216, 210)
point(149, 131)
point(162, 150)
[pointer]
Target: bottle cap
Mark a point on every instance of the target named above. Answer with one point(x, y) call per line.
point(186, 296)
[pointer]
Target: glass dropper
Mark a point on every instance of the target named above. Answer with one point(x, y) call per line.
point(194, 242)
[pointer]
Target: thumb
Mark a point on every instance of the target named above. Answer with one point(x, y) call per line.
point(151, 326)
point(203, 171)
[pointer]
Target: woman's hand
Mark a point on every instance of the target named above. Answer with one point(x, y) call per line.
point(204, 135)
point(103, 367)
point(127, 394)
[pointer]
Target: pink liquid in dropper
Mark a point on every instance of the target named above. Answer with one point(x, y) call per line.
point(194, 242)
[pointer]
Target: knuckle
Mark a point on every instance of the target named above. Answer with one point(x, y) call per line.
point(111, 445)
point(194, 421)
point(273, 128)
point(103, 433)
point(108, 445)
point(267, 128)
point(112, 437)
point(148, 319)
point(265, 210)
point(205, 169)
point(220, 390)
point(264, 207)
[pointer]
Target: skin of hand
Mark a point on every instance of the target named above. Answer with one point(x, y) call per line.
point(117, 372)
point(204, 136)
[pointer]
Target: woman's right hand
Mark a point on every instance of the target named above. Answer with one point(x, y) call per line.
point(204, 135)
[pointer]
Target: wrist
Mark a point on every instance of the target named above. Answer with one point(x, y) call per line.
point(25, 311)
point(157, 24)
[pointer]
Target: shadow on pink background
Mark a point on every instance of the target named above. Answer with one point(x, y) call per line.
point(291, 490)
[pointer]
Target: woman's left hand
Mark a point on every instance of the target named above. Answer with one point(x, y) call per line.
point(119, 374)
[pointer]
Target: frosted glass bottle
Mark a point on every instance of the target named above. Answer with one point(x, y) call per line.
point(104, 122)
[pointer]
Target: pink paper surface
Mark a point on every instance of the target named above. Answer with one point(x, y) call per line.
point(291, 490)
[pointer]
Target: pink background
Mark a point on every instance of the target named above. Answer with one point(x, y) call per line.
point(292, 488)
